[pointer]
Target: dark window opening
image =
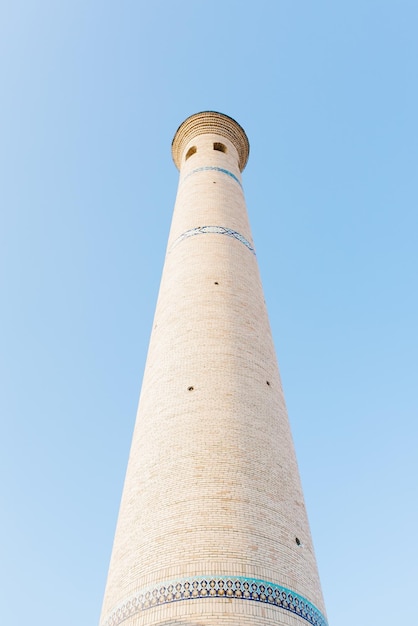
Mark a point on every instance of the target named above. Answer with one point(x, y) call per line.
point(190, 151)
point(297, 541)
point(190, 388)
point(219, 146)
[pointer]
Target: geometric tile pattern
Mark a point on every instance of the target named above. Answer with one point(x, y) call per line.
point(208, 168)
point(219, 230)
point(206, 587)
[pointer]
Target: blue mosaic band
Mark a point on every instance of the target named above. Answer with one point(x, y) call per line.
point(210, 168)
point(200, 587)
point(219, 230)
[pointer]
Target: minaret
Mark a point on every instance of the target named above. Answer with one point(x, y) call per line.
point(212, 527)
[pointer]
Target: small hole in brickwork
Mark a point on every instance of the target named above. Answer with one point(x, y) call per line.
point(297, 541)
point(219, 146)
point(268, 383)
point(216, 283)
point(190, 388)
point(191, 151)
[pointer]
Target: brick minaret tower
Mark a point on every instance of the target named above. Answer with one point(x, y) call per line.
point(212, 527)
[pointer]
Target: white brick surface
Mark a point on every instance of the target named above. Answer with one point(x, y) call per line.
point(212, 485)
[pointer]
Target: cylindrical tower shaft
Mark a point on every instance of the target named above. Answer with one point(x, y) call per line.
point(212, 526)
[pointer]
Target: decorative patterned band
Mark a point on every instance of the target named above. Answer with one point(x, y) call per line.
point(219, 230)
point(209, 168)
point(200, 587)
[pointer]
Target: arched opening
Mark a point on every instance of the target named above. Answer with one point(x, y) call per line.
point(219, 146)
point(190, 151)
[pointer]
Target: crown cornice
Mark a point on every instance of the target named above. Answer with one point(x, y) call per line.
point(210, 122)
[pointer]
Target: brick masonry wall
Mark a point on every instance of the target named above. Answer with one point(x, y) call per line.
point(212, 489)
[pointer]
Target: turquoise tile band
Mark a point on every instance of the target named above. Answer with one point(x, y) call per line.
point(211, 168)
point(230, 587)
point(218, 230)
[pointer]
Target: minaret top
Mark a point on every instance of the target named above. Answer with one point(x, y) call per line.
point(210, 122)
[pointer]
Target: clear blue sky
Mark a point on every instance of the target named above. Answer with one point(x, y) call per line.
point(91, 95)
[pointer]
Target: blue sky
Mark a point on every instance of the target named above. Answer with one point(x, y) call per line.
point(92, 93)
